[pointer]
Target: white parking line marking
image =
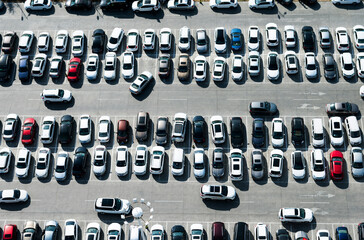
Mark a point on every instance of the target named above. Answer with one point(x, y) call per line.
point(315, 202)
point(168, 201)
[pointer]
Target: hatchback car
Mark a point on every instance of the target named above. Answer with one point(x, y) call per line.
point(56, 67)
point(30, 230)
point(10, 127)
point(218, 72)
point(142, 126)
point(342, 39)
point(149, 39)
point(258, 132)
point(297, 131)
point(325, 37)
point(115, 39)
point(236, 132)
point(357, 167)
point(298, 164)
point(122, 133)
point(84, 129)
point(308, 39)
point(220, 40)
point(257, 167)
point(51, 230)
point(179, 127)
point(237, 71)
point(291, 62)
point(311, 66)
point(202, 42)
point(28, 131)
point(39, 65)
point(261, 232)
point(329, 66)
point(140, 82)
point(9, 42)
point(276, 163)
point(62, 165)
point(218, 129)
point(65, 129)
point(93, 231)
point(127, 68)
point(290, 36)
point(10, 232)
point(80, 162)
point(110, 66)
point(347, 65)
point(337, 165)
point(70, 229)
point(178, 232)
point(277, 133)
point(43, 41)
point(318, 164)
point(5, 159)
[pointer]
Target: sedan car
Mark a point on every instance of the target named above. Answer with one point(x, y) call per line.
point(92, 68)
point(253, 38)
point(37, 5)
point(257, 167)
point(360, 65)
point(112, 206)
point(10, 127)
point(24, 68)
point(308, 39)
point(141, 159)
point(61, 41)
point(218, 165)
point(358, 32)
point(140, 82)
point(271, 33)
point(329, 66)
point(13, 196)
point(65, 129)
point(10, 232)
point(325, 37)
point(70, 229)
point(122, 133)
point(254, 63)
point(30, 230)
point(84, 129)
point(51, 230)
point(114, 231)
point(71, 5)
point(202, 42)
point(336, 165)
point(290, 36)
point(178, 232)
point(43, 41)
point(347, 65)
point(295, 215)
point(199, 163)
point(237, 71)
point(162, 130)
point(357, 167)
point(318, 164)
point(146, 6)
point(273, 67)
point(236, 167)
point(164, 65)
point(127, 69)
point(8, 44)
point(310, 65)
point(23, 163)
point(44, 158)
point(223, 4)
point(277, 133)
point(179, 127)
point(336, 131)
point(342, 233)
point(78, 43)
point(149, 39)
point(56, 67)
point(132, 41)
point(218, 129)
point(236, 38)
point(198, 129)
point(184, 67)
point(80, 162)
point(157, 160)
point(261, 4)
point(104, 129)
point(342, 108)
point(26, 41)
point(218, 71)
point(181, 5)
point(62, 165)
point(220, 40)
point(122, 161)
point(110, 66)
point(276, 163)
point(93, 231)
point(115, 39)
point(342, 39)
point(98, 41)
point(200, 68)
point(5, 159)
point(184, 41)
point(262, 108)
point(258, 132)
point(28, 131)
point(100, 160)
point(291, 62)
point(236, 132)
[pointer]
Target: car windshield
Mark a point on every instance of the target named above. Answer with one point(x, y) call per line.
point(355, 134)
point(278, 135)
point(337, 133)
point(357, 165)
point(177, 165)
point(297, 133)
point(84, 131)
point(237, 69)
point(182, 68)
point(121, 163)
point(218, 165)
point(50, 228)
point(21, 163)
point(348, 66)
point(41, 165)
point(139, 162)
point(273, 63)
point(113, 40)
point(298, 164)
point(311, 66)
point(201, 42)
point(224, 190)
point(183, 40)
point(91, 67)
point(199, 166)
point(302, 213)
point(109, 67)
point(196, 232)
point(127, 66)
point(98, 162)
point(60, 168)
point(122, 133)
point(253, 40)
point(257, 167)
point(318, 167)
point(318, 136)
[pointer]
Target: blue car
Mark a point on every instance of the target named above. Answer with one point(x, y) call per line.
point(236, 39)
point(342, 233)
point(24, 68)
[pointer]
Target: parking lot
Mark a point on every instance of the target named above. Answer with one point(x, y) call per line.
point(176, 200)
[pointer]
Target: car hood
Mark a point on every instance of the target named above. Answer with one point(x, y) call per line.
point(299, 174)
point(140, 169)
point(139, 134)
point(91, 74)
point(99, 169)
point(330, 73)
point(199, 172)
point(257, 174)
point(319, 175)
point(357, 172)
point(160, 139)
point(218, 172)
point(273, 73)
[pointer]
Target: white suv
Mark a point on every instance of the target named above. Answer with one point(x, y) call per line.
point(276, 163)
point(295, 215)
point(56, 95)
point(179, 127)
point(217, 192)
point(336, 131)
point(70, 229)
point(218, 129)
point(48, 128)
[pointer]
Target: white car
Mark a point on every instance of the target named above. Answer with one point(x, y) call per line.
point(157, 232)
point(56, 95)
point(122, 161)
point(220, 40)
point(291, 62)
point(149, 39)
point(181, 4)
point(70, 229)
point(165, 38)
point(115, 39)
point(223, 4)
point(157, 160)
point(26, 41)
point(178, 162)
point(253, 38)
point(254, 63)
point(276, 163)
point(62, 163)
point(199, 163)
point(104, 129)
point(218, 129)
point(100, 158)
point(218, 71)
point(61, 41)
point(37, 5)
point(277, 132)
point(92, 68)
point(179, 127)
point(357, 167)
point(298, 164)
point(78, 43)
point(323, 235)
point(261, 232)
point(290, 36)
point(22, 164)
point(347, 65)
point(353, 130)
point(345, 2)
point(237, 71)
point(273, 66)
point(110, 66)
point(318, 164)
point(43, 42)
point(342, 39)
point(44, 158)
point(236, 164)
point(132, 41)
point(5, 159)
point(217, 192)
point(200, 68)
point(360, 64)
point(39, 65)
point(140, 82)
point(146, 6)
point(127, 69)
point(48, 129)
point(295, 215)
point(336, 131)
point(112, 206)
point(93, 231)
point(184, 42)
point(359, 36)
point(84, 130)
point(141, 159)
point(261, 4)
point(114, 231)
point(197, 231)
point(271, 33)
point(310, 65)
point(10, 127)
point(56, 67)
point(13, 196)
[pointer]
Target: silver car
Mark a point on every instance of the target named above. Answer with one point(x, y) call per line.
point(218, 167)
point(201, 41)
point(50, 230)
point(357, 168)
point(257, 164)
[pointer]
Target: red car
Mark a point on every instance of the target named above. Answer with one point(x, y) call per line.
point(28, 131)
point(74, 69)
point(9, 232)
point(123, 131)
point(336, 165)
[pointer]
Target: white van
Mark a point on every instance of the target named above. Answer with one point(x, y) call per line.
point(353, 130)
point(178, 163)
point(318, 137)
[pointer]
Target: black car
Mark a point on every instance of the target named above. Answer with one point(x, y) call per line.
point(98, 42)
point(241, 231)
point(282, 234)
point(308, 39)
point(5, 66)
point(329, 66)
point(311, 2)
point(237, 132)
point(65, 129)
point(24, 68)
point(109, 5)
point(298, 131)
point(258, 134)
point(361, 231)
point(178, 232)
point(78, 5)
point(262, 108)
point(9, 42)
point(80, 162)
point(198, 129)
point(285, 2)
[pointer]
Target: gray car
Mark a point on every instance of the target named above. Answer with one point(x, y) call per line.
point(257, 164)
point(218, 167)
point(201, 41)
point(258, 134)
point(50, 230)
point(161, 133)
point(329, 66)
point(141, 132)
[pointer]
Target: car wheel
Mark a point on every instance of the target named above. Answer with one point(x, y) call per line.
point(336, 4)
point(270, 7)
